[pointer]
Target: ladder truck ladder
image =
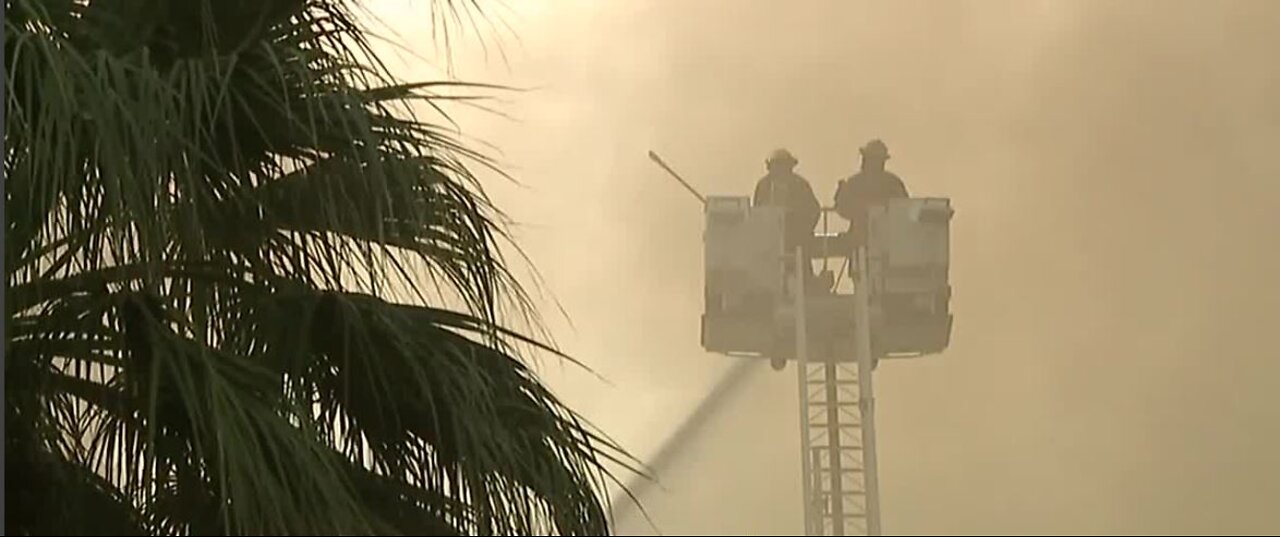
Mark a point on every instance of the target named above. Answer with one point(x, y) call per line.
point(838, 457)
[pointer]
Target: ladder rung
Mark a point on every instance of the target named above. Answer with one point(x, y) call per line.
point(849, 469)
point(843, 426)
point(842, 470)
point(823, 382)
point(828, 492)
point(821, 412)
point(825, 448)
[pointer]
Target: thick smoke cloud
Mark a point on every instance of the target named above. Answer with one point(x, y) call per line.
point(1114, 365)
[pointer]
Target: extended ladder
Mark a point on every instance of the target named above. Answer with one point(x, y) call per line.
point(841, 492)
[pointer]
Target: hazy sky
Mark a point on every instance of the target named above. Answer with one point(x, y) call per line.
point(1114, 364)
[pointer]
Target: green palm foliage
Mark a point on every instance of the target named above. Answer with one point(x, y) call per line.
point(220, 214)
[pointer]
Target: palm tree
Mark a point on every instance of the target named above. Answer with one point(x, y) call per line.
point(249, 292)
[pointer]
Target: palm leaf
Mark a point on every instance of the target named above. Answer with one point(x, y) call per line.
point(250, 291)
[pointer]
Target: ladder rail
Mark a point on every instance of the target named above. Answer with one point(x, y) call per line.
point(866, 395)
point(802, 356)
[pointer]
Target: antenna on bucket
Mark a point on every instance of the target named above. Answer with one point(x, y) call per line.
point(654, 157)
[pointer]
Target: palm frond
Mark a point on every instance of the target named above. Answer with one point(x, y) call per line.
point(226, 223)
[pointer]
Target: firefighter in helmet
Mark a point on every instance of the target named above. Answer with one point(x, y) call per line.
point(873, 185)
point(782, 187)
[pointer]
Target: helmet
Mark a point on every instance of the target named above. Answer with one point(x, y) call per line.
point(781, 158)
point(875, 149)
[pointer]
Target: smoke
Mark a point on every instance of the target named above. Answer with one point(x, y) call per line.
point(1113, 367)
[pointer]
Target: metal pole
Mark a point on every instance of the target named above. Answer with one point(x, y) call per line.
point(865, 395)
point(654, 157)
point(802, 371)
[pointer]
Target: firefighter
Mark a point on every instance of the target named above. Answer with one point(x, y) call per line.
point(873, 185)
point(782, 187)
